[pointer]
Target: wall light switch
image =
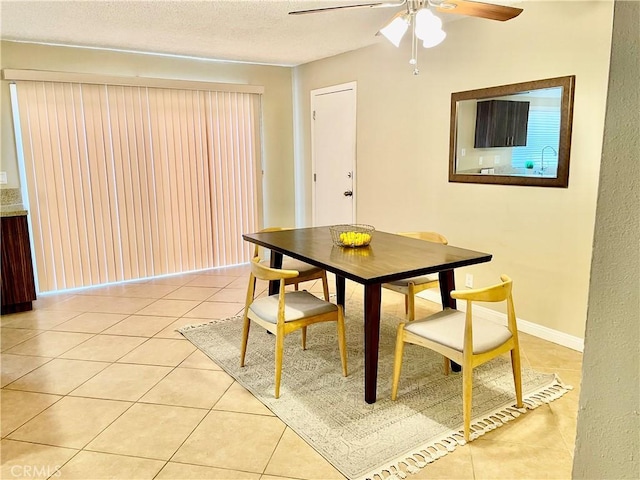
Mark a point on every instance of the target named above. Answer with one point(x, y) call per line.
point(3, 178)
point(463, 152)
point(480, 161)
point(497, 160)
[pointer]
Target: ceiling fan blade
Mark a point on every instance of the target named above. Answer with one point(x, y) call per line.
point(346, 7)
point(478, 9)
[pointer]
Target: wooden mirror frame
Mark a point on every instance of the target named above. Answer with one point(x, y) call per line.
point(566, 118)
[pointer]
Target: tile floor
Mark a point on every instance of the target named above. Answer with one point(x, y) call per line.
point(97, 384)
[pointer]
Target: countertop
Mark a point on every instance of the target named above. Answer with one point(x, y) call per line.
point(16, 210)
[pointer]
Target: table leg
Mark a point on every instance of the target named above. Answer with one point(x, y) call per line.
point(372, 296)
point(340, 289)
point(448, 283)
point(275, 262)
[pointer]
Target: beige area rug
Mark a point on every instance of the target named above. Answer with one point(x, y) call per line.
point(389, 439)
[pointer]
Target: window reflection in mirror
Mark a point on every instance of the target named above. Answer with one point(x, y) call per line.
point(514, 134)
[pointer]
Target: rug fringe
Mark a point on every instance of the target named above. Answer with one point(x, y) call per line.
point(186, 328)
point(412, 462)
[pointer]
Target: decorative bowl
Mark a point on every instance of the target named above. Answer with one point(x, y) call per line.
point(356, 235)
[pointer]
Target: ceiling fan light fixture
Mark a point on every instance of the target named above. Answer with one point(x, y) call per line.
point(395, 30)
point(426, 22)
point(435, 37)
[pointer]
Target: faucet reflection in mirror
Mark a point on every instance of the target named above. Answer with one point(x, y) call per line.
point(542, 159)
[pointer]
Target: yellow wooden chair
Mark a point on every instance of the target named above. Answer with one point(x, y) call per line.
point(286, 312)
point(467, 339)
point(410, 286)
point(306, 272)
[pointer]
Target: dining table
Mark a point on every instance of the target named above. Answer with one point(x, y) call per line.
point(387, 258)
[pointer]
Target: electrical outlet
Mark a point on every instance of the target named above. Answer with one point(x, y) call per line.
point(3, 178)
point(480, 161)
point(497, 160)
point(468, 281)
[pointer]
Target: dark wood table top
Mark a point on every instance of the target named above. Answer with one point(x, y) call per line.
point(389, 257)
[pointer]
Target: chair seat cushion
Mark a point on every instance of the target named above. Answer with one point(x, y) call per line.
point(289, 263)
point(298, 305)
point(433, 277)
point(447, 328)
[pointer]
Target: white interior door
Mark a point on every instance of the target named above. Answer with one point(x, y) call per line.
point(333, 157)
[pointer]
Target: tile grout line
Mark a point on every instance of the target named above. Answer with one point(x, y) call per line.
point(194, 429)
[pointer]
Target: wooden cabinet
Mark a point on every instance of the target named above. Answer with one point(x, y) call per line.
point(501, 123)
point(18, 286)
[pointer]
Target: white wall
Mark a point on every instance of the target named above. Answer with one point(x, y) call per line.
point(608, 437)
point(277, 111)
point(541, 237)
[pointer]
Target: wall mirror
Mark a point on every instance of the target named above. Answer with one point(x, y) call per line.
point(517, 134)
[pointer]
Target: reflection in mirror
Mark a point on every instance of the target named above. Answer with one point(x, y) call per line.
point(514, 134)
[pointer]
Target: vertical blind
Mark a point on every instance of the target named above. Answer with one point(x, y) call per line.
point(129, 182)
point(543, 130)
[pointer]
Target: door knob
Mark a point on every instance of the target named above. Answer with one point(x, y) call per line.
point(348, 193)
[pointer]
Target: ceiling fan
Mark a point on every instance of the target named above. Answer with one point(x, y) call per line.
point(426, 26)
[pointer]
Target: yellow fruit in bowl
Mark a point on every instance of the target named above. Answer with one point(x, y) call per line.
point(351, 238)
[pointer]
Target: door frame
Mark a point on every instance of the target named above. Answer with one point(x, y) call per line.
point(324, 91)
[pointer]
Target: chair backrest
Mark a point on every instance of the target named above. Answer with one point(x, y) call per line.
point(495, 293)
point(428, 236)
point(262, 272)
point(256, 250)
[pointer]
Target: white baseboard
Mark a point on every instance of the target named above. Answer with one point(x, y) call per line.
point(540, 331)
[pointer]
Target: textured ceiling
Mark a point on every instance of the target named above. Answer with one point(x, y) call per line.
point(240, 30)
point(251, 31)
